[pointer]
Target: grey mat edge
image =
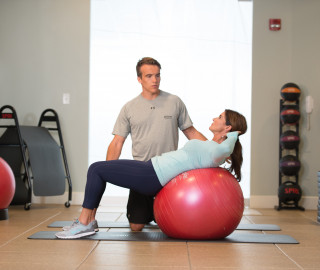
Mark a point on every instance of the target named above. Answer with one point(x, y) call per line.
point(108, 224)
point(161, 237)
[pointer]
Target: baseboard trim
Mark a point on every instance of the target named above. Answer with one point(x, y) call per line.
point(77, 199)
point(308, 202)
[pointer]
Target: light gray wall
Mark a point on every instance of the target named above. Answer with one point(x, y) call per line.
point(289, 55)
point(44, 52)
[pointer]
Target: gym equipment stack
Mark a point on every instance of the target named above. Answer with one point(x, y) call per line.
point(289, 191)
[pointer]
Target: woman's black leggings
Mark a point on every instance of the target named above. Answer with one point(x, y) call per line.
point(132, 174)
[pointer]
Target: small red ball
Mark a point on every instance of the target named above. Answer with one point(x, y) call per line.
point(7, 184)
point(200, 204)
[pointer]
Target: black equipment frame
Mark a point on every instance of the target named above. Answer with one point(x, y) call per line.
point(48, 115)
point(283, 205)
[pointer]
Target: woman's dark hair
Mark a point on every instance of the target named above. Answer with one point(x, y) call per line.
point(146, 61)
point(238, 123)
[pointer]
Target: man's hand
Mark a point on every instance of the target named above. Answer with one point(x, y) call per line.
point(191, 133)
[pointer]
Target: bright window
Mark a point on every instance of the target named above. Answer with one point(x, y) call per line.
point(204, 47)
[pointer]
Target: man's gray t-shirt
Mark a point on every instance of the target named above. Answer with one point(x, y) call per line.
point(153, 124)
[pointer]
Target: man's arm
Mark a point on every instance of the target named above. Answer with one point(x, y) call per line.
point(191, 133)
point(115, 147)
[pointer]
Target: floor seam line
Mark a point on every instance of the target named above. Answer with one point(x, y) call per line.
point(189, 259)
point(87, 256)
point(285, 254)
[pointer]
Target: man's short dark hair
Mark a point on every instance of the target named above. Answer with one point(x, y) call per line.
point(146, 61)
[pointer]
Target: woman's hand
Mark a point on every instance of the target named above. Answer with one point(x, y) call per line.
point(224, 136)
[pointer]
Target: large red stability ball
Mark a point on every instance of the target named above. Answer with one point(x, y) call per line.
point(7, 188)
point(200, 204)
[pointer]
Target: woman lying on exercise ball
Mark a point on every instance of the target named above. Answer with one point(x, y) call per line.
point(149, 177)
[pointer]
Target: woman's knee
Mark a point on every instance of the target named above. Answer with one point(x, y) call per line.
point(93, 168)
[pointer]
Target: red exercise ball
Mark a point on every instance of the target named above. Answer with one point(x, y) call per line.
point(200, 204)
point(7, 187)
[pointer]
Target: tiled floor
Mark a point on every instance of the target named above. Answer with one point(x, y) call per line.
point(18, 252)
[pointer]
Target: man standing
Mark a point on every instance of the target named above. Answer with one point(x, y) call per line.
point(153, 119)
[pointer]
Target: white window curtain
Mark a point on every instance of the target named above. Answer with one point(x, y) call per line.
point(204, 47)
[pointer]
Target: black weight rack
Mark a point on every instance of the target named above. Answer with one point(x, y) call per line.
point(291, 205)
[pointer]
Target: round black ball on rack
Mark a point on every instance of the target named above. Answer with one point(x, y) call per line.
point(290, 114)
point(289, 165)
point(290, 91)
point(289, 192)
point(289, 139)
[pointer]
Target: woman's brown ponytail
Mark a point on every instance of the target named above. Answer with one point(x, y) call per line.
point(238, 123)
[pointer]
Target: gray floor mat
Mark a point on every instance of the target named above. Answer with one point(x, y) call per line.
point(161, 237)
point(108, 224)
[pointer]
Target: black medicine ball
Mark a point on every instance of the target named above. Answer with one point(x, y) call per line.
point(290, 115)
point(290, 92)
point(289, 165)
point(289, 139)
point(289, 192)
